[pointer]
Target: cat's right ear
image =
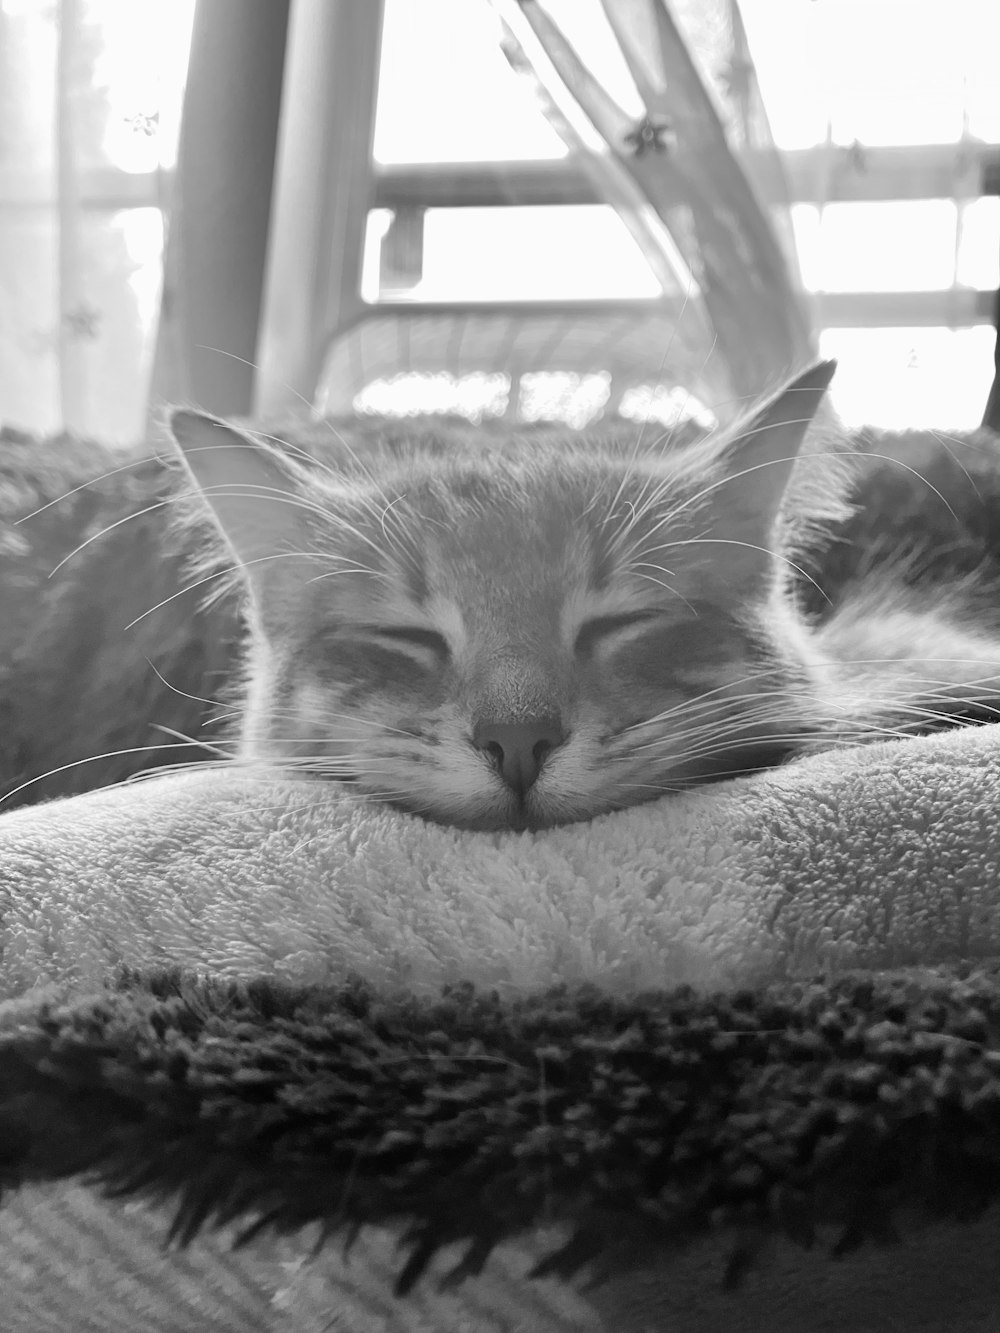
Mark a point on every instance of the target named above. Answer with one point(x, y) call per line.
point(255, 497)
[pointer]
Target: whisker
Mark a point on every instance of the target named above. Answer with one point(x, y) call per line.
point(637, 450)
point(149, 509)
point(946, 441)
point(241, 490)
point(279, 713)
point(91, 481)
point(348, 569)
point(691, 501)
point(726, 541)
point(898, 462)
point(717, 690)
point(188, 740)
point(183, 694)
point(689, 285)
point(297, 451)
point(228, 572)
point(90, 759)
point(668, 588)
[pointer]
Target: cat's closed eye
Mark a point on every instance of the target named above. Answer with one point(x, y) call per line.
point(406, 636)
point(593, 631)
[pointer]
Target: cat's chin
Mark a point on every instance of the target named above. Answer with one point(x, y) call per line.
point(514, 820)
point(504, 824)
point(494, 822)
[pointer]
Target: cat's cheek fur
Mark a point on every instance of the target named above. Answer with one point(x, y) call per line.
point(438, 774)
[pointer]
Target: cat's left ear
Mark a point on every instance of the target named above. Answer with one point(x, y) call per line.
point(751, 467)
point(761, 454)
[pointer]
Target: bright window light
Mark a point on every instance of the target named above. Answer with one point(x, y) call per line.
point(876, 72)
point(880, 71)
point(559, 252)
point(446, 92)
point(143, 65)
point(916, 378)
point(905, 245)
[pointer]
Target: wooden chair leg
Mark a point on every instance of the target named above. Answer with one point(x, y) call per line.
point(217, 236)
point(323, 191)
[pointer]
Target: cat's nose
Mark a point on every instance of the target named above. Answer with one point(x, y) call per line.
point(518, 749)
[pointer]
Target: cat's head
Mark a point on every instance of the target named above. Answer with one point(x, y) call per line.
point(519, 635)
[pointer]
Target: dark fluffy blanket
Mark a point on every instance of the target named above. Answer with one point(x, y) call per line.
point(819, 1111)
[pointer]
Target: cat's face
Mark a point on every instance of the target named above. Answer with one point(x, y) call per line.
point(520, 637)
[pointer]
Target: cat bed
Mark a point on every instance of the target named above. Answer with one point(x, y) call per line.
point(727, 1061)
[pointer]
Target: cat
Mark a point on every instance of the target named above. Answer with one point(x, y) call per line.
point(516, 633)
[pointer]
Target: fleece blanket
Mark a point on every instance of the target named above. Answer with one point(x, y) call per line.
point(272, 1058)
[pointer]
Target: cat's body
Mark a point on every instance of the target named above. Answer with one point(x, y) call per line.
point(517, 633)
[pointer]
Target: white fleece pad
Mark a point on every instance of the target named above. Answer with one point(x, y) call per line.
point(884, 856)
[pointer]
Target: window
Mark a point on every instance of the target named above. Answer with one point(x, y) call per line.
point(884, 111)
point(90, 97)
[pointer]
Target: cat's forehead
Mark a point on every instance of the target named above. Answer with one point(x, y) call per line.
point(536, 532)
point(509, 537)
point(566, 483)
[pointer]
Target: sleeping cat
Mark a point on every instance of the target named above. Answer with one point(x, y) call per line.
point(516, 633)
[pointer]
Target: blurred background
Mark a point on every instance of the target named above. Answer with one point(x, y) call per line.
point(574, 209)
